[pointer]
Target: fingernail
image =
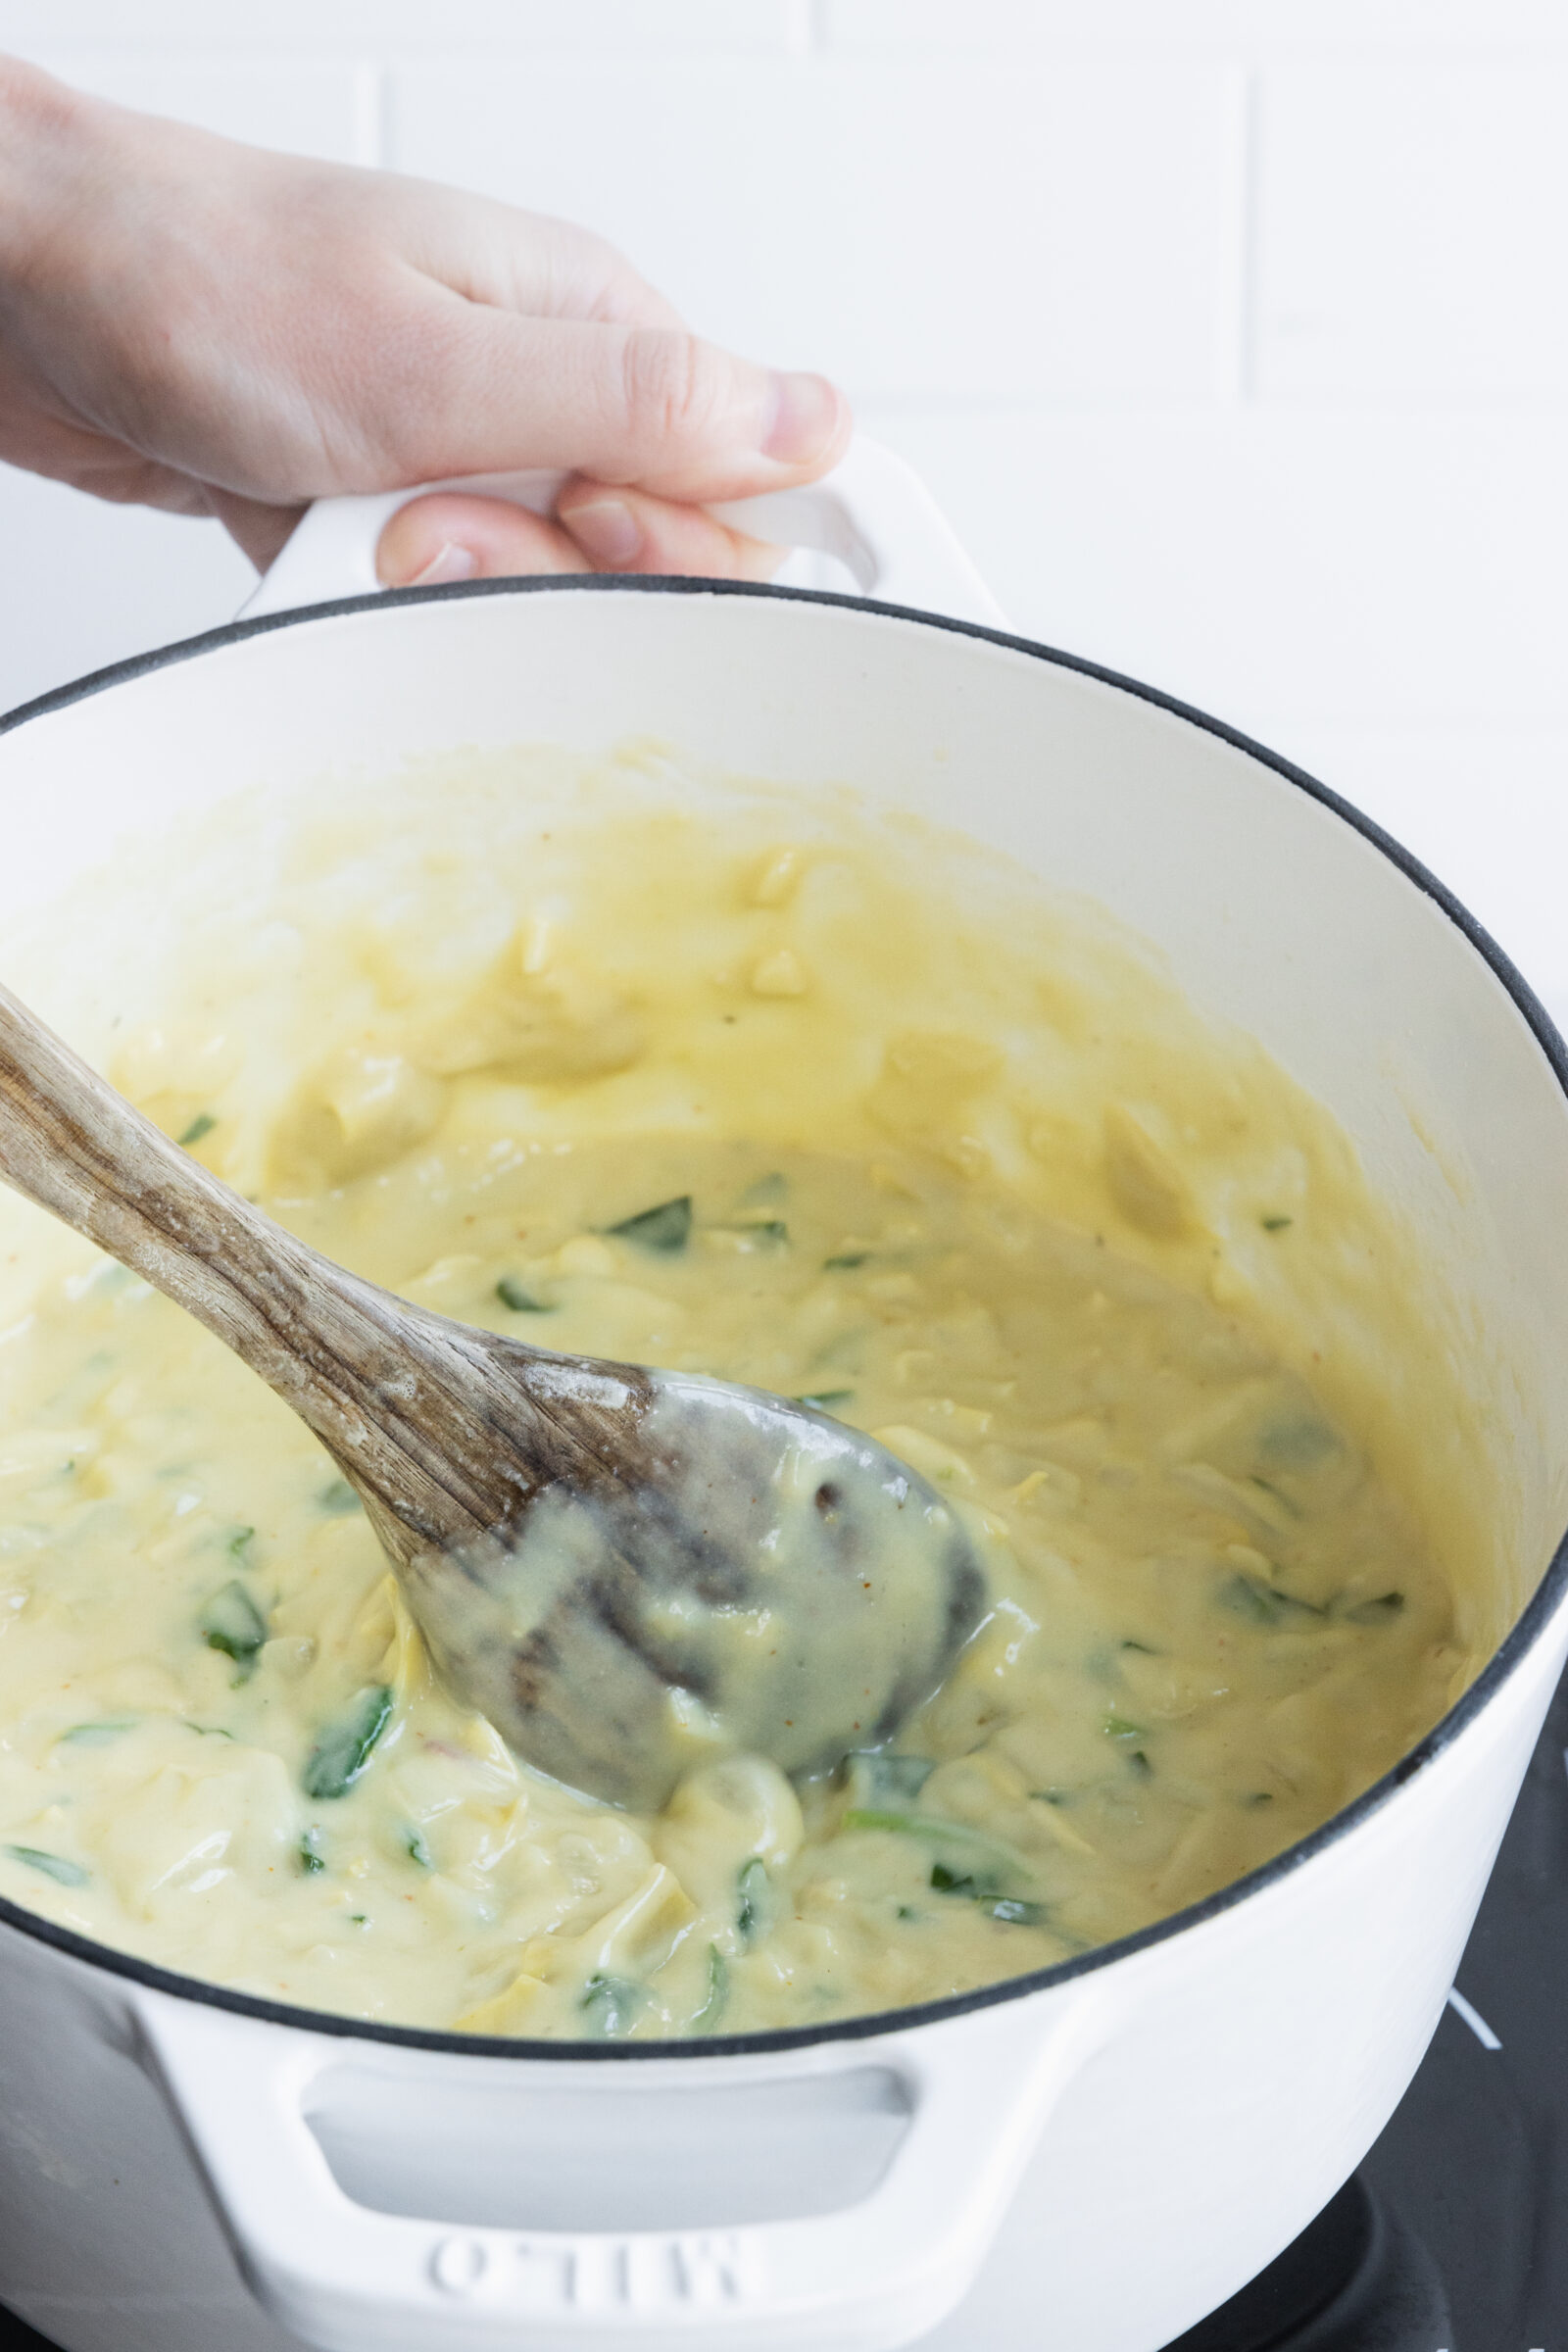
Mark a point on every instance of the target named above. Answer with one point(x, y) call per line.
point(805, 418)
point(607, 532)
point(449, 562)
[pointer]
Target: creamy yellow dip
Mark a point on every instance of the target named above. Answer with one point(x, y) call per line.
point(800, 1097)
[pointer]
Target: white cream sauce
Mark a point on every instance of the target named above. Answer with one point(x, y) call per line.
point(736, 1090)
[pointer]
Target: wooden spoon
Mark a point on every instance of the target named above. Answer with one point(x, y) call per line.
point(628, 1571)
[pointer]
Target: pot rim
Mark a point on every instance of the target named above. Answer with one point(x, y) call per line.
point(1499, 1668)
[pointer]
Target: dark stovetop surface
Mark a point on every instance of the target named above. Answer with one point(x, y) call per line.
point(1453, 2236)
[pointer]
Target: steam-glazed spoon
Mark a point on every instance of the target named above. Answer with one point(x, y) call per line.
point(628, 1571)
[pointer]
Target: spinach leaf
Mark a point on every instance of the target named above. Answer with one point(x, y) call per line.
point(982, 1885)
point(962, 1853)
point(756, 1902)
point(876, 1778)
point(611, 2003)
point(53, 1866)
point(1260, 1603)
point(1297, 1441)
point(665, 1228)
point(982, 1889)
point(511, 1292)
point(712, 2009)
point(914, 1825)
point(1376, 1612)
point(232, 1623)
point(342, 1752)
point(99, 1734)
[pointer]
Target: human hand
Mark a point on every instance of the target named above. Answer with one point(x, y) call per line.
point(214, 329)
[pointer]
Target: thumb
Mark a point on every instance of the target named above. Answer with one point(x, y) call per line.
point(645, 405)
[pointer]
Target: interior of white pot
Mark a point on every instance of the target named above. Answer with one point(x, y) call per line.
point(1272, 911)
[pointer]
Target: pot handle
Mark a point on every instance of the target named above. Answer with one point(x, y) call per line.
point(876, 2274)
point(872, 511)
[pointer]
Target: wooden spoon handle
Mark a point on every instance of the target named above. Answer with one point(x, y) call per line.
point(79, 1149)
point(353, 1362)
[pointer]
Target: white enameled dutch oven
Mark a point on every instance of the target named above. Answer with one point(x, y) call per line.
point(184, 2169)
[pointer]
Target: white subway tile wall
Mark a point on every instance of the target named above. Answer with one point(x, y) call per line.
point(929, 232)
point(1411, 223)
point(306, 106)
point(1231, 333)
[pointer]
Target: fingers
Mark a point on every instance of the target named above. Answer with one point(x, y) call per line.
point(484, 389)
point(450, 537)
point(626, 531)
point(599, 528)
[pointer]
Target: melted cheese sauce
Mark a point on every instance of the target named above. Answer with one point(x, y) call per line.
point(686, 1089)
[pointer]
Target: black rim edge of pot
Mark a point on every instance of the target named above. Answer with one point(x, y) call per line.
point(1498, 1669)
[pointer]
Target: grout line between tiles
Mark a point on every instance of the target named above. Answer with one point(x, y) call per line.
point(370, 101)
point(1250, 256)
